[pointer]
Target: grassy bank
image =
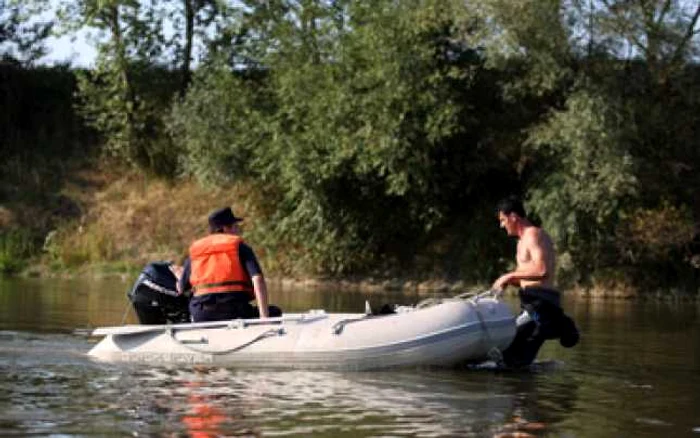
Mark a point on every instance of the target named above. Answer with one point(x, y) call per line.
point(395, 204)
point(128, 220)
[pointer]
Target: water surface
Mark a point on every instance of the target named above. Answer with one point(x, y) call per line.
point(635, 373)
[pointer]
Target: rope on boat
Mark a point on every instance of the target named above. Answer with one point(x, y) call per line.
point(482, 323)
point(494, 353)
point(429, 302)
point(476, 294)
point(472, 296)
point(261, 336)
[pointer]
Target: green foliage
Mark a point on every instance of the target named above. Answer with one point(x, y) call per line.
point(352, 112)
point(67, 249)
point(39, 122)
point(376, 136)
point(663, 33)
point(114, 96)
point(129, 113)
point(582, 191)
point(654, 234)
point(21, 39)
point(15, 247)
point(528, 37)
point(220, 126)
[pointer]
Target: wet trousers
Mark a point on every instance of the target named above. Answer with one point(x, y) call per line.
point(542, 319)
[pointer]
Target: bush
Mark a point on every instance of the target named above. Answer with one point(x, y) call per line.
point(15, 247)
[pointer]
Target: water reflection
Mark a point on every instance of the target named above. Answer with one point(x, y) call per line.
point(51, 388)
point(63, 305)
point(202, 419)
point(215, 402)
point(636, 372)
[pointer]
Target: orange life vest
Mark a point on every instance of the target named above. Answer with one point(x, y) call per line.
point(216, 266)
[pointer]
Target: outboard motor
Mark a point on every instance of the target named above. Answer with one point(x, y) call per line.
point(155, 298)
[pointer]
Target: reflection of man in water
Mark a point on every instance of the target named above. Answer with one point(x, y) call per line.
point(542, 316)
point(532, 414)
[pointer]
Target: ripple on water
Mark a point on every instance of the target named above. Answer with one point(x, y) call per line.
point(271, 403)
point(51, 388)
point(652, 421)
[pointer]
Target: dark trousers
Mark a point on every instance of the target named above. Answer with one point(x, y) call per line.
point(547, 320)
point(225, 306)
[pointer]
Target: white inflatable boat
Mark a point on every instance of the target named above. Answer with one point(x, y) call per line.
point(455, 330)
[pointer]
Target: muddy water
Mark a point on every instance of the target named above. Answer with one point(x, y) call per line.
point(635, 373)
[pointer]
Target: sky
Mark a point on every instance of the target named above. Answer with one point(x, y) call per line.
point(77, 52)
point(73, 50)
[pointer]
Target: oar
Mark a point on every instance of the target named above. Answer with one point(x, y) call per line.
point(233, 323)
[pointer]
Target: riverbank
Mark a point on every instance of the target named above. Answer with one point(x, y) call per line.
point(119, 221)
point(373, 285)
point(443, 287)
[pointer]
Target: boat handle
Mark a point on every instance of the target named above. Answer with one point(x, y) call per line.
point(271, 332)
point(201, 340)
point(338, 327)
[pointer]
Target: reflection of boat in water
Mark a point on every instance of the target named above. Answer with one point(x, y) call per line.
point(455, 330)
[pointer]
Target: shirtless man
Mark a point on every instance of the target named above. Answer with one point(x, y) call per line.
point(535, 255)
point(542, 316)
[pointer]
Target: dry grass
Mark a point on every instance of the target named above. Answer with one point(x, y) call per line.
point(132, 220)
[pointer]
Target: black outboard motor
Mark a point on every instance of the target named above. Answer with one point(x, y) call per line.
point(155, 298)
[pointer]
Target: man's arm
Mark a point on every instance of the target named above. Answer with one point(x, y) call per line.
point(260, 289)
point(252, 267)
point(533, 270)
point(183, 282)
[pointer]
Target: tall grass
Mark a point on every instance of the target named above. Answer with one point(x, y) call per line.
point(135, 220)
point(15, 247)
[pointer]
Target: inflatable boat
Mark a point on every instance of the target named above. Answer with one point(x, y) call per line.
point(433, 333)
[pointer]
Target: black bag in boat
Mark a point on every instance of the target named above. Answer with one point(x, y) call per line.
point(155, 298)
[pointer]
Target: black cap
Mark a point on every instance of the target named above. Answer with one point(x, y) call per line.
point(222, 217)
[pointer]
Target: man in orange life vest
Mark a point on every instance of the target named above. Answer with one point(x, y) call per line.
point(224, 274)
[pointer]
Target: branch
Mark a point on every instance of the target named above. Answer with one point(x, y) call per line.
point(625, 30)
point(664, 11)
point(687, 37)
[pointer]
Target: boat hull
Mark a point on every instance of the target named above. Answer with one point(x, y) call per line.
point(452, 332)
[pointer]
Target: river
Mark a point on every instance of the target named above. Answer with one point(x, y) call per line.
point(636, 373)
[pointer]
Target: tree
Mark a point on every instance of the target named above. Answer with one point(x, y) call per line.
point(142, 47)
point(21, 37)
point(109, 95)
point(586, 180)
point(662, 32)
point(353, 102)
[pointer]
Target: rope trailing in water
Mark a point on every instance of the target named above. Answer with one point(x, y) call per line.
point(126, 311)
